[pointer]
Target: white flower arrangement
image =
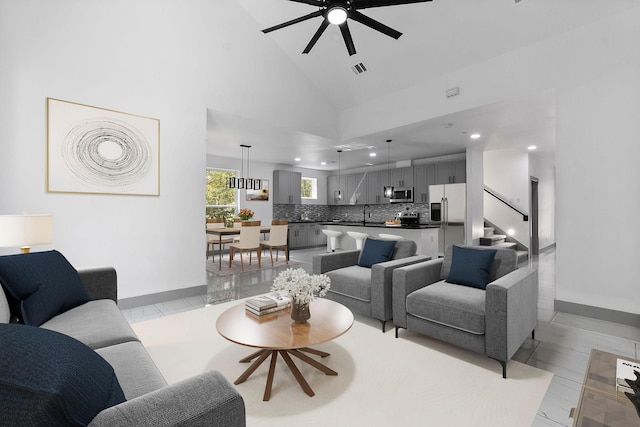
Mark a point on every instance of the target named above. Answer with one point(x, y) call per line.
point(301, 286)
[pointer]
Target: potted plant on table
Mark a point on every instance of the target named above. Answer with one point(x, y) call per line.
point(302, 288)
point(245, 214)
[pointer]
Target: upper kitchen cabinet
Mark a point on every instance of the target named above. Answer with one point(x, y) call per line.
point(451, 172)
point(335, 183)
point(423, 177)
point(356, 189)
point(400, 177)
point(287, 187)
point(374, 189)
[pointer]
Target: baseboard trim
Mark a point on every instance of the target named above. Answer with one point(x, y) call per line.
point(547, 248)
point(159, 297)
point(599, 313)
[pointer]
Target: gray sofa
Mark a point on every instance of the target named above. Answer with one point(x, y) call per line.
point(365, 290)
point(495, 321)
point(204, 400)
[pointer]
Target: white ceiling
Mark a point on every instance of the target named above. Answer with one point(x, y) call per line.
point(438, 37)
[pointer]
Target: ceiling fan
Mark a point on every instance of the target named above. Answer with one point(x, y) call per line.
point(337, 11)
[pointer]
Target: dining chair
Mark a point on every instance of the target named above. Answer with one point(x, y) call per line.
point(249, 241)
point(213, 223)
point(237, 223)
point(277, 239)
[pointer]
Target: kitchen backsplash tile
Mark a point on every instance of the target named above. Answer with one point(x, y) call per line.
point(351, 213)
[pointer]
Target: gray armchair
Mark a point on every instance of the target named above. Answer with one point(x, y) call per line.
point(494, 322)
point(365, 290)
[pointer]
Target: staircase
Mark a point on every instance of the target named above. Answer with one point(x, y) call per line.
point(500, 241)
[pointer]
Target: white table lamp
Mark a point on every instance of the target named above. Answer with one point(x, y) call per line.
point(26, 230)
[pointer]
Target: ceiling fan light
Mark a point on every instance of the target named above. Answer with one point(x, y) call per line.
point(337, 15)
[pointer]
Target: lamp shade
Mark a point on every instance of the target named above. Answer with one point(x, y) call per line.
point(25, 230)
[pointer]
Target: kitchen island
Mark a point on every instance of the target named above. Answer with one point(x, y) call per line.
point(425, 236)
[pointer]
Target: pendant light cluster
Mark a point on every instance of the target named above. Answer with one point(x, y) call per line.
point(337, 195)
point(243, 183)
point(388, 189)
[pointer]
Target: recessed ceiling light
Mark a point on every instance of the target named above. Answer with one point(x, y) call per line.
point(531, 147)
point(474, 136)
point(297, 159)
point(323, 163)
point(372, 154)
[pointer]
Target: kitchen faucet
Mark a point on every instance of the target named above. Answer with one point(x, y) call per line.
point(364, 214)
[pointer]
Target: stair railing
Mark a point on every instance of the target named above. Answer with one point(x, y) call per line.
point(493, 193)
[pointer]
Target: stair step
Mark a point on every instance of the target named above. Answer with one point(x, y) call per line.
point(506, 245)
point(488, 231)
point(522, 256)
point(492, 240)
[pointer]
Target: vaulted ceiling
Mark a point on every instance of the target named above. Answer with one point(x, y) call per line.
point(438, 37)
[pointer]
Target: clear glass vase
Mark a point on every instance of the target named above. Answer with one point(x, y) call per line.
point(300, 312)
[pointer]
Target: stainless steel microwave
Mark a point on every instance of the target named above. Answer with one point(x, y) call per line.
point(402, 195)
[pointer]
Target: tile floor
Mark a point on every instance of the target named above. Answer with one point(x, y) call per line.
point(562, 345)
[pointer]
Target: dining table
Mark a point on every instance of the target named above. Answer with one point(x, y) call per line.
point(230, 231)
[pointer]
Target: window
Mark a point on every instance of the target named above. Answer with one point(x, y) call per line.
point(221, 200)
point(309, 187)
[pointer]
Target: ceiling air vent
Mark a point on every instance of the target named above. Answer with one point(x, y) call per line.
point(358, 69)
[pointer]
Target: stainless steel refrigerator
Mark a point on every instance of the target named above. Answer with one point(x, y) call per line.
point(447, 208)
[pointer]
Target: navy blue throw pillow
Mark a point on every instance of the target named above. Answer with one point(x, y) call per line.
point(40, 285)
point(471, 267)
point(51, 379)
point(376, 251)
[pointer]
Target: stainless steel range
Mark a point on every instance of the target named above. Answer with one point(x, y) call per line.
point(409, 219)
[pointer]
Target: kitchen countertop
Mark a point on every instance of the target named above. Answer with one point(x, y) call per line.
point(380, 225)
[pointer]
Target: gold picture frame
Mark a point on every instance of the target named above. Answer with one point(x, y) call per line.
point(93, 150)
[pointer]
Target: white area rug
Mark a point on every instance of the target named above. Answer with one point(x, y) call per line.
point(382, 381)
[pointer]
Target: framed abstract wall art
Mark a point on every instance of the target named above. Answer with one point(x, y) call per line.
point(94, 150)
point(261, 195)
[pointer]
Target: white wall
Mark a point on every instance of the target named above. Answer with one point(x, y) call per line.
point(597, 191)
point(595, 75)
point(507, 172)
point(154, 58)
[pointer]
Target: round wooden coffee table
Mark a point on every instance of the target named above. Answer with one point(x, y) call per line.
point(276, 333)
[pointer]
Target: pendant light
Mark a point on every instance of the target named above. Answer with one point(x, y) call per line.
point(337, 195)
point(388, 189)
point(243, 183)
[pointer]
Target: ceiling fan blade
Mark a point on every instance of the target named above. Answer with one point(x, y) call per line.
point(316, 36)
point(348, 41)
point(318, 3)
point(372, 23)
point(364, 4)
point(294, 21)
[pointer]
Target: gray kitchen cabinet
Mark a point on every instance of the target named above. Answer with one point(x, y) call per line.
point(400, 177)
point(451, 172)
point(356, 189)
point(423, 177)
point(298, 235)
point(332, 187)
point(316, 236)
point(335, 183)
point(375, 194)
point(287, 187)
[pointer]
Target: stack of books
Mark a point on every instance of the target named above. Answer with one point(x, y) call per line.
point(625, 370)
point(267, 304)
